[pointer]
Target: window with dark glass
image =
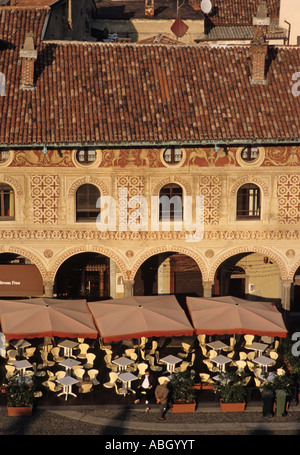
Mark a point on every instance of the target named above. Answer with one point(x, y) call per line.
point(7, 202)
point(86, 156)
point(249, 154)
point(248, 202)
point(170, 203)
point(86, 203)
point(173, 155)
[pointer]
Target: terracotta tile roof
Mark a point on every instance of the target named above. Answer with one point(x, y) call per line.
point(16, 22)
point(103, 93)
point(240, 32)
point(239, 12)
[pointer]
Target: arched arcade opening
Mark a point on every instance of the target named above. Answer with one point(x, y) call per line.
point(90, 276)
point(251, 276)
point(168, 273)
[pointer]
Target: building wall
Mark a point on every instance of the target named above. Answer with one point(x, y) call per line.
point(290, 12)
point(46, 232)
point(140, 29)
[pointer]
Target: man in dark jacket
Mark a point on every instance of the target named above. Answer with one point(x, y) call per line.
point(146, 385)
point(162, 397)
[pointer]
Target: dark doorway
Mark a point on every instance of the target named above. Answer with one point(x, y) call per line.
point(86, 276)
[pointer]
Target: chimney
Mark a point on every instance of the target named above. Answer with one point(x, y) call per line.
point(28, 56)
point(149, 7)
point(259, 45)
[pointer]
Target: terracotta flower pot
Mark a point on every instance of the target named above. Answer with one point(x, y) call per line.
point(19, 411)
point(183, 407)
point(232, 407)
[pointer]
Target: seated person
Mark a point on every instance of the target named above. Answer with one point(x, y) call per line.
point(146, 385)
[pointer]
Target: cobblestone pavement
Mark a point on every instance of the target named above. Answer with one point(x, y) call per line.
point(126, 422)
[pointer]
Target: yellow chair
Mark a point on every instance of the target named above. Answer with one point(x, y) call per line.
point(93, 373)
point(90, 357)
point(243, 355)
point(79, 372)
point(53, 387)
point(11, 356)
point(83, 347)
point(201, 339)
point(240, 365)
point(142, 367)
point(10, 371)
point(29, 352)
point(55, 352)
point(112, 380)
point(60, 374)
point(248, 340)
point(205, 378)
point(85, 387)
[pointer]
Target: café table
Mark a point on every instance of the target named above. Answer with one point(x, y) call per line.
point(217, 345)
point(264, 362)
point(171, 361)
point(67, 383)
point(122, 363)
point(218, 378)
point(221, 361)
point(69, 364)
point(269, 377)
point(20, 345)
point(68, 346)
point(258, 347)
point(21, 365)
point(126, 378)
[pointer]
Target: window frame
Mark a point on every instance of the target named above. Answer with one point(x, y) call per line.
point(246, 200)
point(7, 190)
point(170, 195)
point(86, 153)
point(91, 211)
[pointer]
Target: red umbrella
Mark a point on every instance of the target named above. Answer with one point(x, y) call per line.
point(229, 315)
point(43, 317)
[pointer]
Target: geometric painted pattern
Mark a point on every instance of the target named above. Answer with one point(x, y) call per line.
point(45, 193)
point(210, 188)
point(288, 194)
point(133, 186)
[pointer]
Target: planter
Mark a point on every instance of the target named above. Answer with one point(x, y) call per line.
point(232, 407)
point(19, 411)
point(208, 386)
point(183, 407)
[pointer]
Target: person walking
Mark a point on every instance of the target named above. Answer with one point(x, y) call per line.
point(162, 395)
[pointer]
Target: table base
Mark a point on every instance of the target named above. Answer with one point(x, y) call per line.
point(66, 391)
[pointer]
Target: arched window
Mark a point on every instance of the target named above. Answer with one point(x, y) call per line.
point(170, 203)
point(86, 203)
point(248, 202)
point(7, 202)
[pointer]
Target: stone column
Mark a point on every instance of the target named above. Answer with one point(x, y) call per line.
point(128, 288)
point(207, 288)
point(48, 288)
point(286, 294)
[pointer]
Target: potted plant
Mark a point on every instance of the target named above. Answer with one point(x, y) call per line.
point(183, 392)
point(20, 397)
point(231, 392)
